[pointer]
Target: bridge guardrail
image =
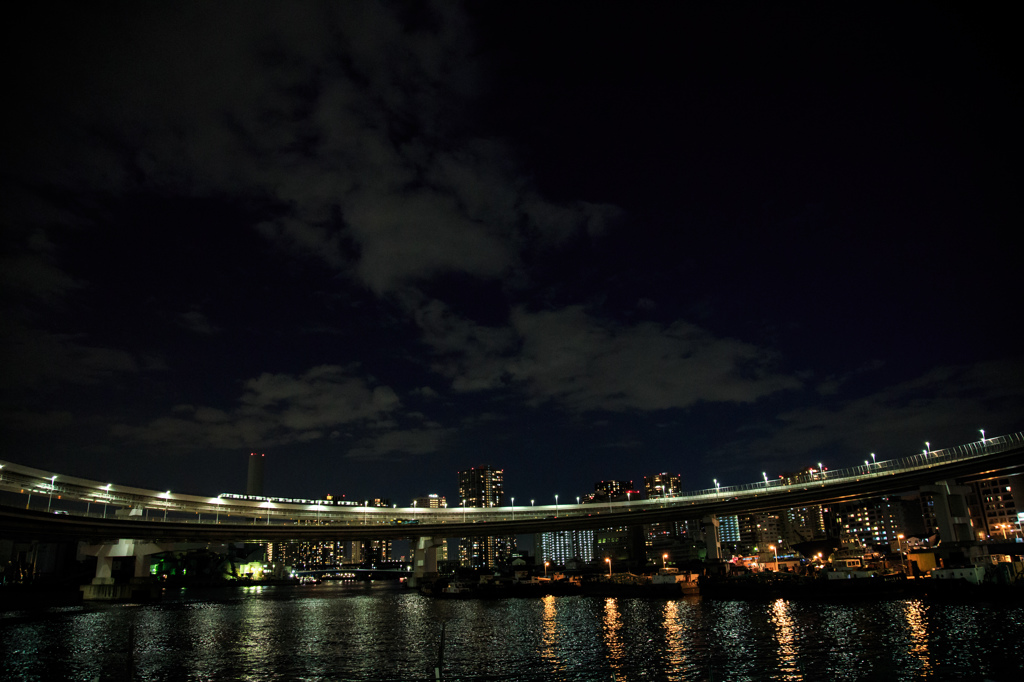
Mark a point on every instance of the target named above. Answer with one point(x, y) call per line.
point(91, 492)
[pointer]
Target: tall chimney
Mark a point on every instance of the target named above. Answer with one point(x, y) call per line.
point(254, 486)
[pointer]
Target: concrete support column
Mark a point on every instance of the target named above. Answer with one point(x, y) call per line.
point(104, 585)
point(424, 558)
point(951, 515)
point(712, 539)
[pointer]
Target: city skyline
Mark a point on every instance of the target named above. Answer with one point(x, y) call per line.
point(384, 243)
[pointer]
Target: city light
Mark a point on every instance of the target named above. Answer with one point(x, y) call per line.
point(608, 561)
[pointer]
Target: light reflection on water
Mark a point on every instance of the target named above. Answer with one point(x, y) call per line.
point(786, 638)
point(333, 632)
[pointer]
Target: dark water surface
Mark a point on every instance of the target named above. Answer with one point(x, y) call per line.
point(343, 632)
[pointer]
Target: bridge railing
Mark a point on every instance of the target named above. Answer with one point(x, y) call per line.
point(922, 460)
point(155, 506)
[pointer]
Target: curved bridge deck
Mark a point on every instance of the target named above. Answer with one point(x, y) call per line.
point(114, 511)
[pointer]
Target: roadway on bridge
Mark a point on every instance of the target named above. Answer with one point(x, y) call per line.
point(22, 524)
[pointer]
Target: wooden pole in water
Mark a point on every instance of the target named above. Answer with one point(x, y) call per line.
point(440, 653)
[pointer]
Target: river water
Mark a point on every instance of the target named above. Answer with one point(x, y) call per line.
point(381, 632)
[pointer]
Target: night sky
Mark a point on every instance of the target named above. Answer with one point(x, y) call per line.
point(381, 242)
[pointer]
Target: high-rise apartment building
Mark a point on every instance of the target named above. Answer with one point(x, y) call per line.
point(612, 490)
point(431, 501)
point(483, 486)
point(729, 530)
point(878, 522)
point(560, 546)
point(759, 530)
point(803, 524)
point(658, 486)
point(994, 505)
point(662, 485)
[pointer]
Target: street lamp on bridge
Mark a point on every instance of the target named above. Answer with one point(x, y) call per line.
point(556, 505)
point(513, 509)
point(52, 486)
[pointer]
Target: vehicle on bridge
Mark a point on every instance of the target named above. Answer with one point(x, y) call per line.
point(330, 502)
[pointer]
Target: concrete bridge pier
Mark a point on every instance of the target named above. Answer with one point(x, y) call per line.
point(951, 515)
point(121, 570)
point(424, 559)
point(712, 539)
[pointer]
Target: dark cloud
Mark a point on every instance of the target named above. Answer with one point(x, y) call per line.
point(274, 409)
point(584, 363)
point(947, 405)
point(371, 231)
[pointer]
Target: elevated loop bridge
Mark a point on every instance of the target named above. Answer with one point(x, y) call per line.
point(106, 511)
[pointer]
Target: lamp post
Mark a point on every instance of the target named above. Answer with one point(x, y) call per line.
point(982, 436)
point(903, 557)
point(608, 561)
point(556, 505)
point(873, 458)
point(513, 509)
point(167, 503)
point(52, 486)
point(664, 558)
point(821, 470)
point(107, 488)
point(546, 564)
point(776, 552)
point(463, 503)
point(718, 489)
point(764, 474)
